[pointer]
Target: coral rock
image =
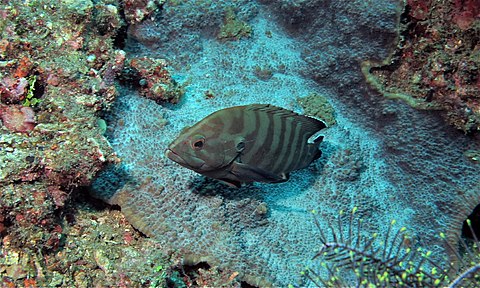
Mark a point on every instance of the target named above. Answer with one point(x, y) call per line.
point(12, 90)
point(17, 118)
point(137, 10)
point(155, 80)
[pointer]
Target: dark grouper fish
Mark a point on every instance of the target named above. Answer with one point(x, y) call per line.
point(250, 143)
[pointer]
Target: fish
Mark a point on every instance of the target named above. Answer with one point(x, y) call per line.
point(250, 143)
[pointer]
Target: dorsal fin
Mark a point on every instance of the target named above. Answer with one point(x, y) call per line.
point(310, 125)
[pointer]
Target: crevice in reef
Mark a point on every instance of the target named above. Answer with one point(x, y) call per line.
point(474, 218)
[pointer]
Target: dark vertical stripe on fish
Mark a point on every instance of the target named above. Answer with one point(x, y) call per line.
point(252, 138)
point(262, 135)
point(211, 127)
point(300, 157)
point(294, 146)
point(264, 156)
point(308, 152)
point(227, 122)
point(237, 125)
point(288, 137)
point(278, 136)
point(249, 125)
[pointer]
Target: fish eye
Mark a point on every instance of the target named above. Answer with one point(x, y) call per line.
point(198, 143)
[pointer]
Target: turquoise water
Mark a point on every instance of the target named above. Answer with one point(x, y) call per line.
point(387, 160)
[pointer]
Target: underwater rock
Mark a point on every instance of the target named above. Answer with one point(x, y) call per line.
point(232, 28)
point(44, 65)
point(435, 64)
point(317, 106)
point(184, 20)
point(153, 79)
point(17, 118)
point(138, 10)
point(107, 19)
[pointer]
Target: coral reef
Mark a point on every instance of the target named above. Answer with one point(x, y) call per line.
point(57, 68)
point(153, 79)
point(65, 115)
point(435, 65)
point(393, 162)
point(137, 10)
point(59, 64)
point(98, 247)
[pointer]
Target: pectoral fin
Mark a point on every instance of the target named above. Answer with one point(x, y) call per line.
point(248, 173)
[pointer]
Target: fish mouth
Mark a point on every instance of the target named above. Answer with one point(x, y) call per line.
point(174, 156)
point(196, 165)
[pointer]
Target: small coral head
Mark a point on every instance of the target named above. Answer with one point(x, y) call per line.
point(17, 118)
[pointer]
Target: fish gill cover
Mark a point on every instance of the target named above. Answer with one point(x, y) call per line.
point(384, 157)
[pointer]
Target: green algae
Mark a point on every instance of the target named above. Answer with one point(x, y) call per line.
point(30, 99)
point(76, 7)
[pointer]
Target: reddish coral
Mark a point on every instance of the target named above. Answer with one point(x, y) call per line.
point(17, 118)
point(439, 60)
point(24, 67)
point(4, 46)
point(128, 238)
point(113, 69)
point(30, 283)
point(53, 79)
point(12, 90)
point(419, 8)
point(7, 283)
point(2, 225)
point(465, 12)
point(54, 241)
point(59, 196)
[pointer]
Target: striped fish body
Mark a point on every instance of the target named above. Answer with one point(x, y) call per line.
point(252, 143)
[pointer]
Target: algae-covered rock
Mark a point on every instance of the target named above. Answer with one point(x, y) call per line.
point(233, 28)
point(435, 64)
point(79, 7)
point(154, 80)
point(317, 105)
point(51, 149)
